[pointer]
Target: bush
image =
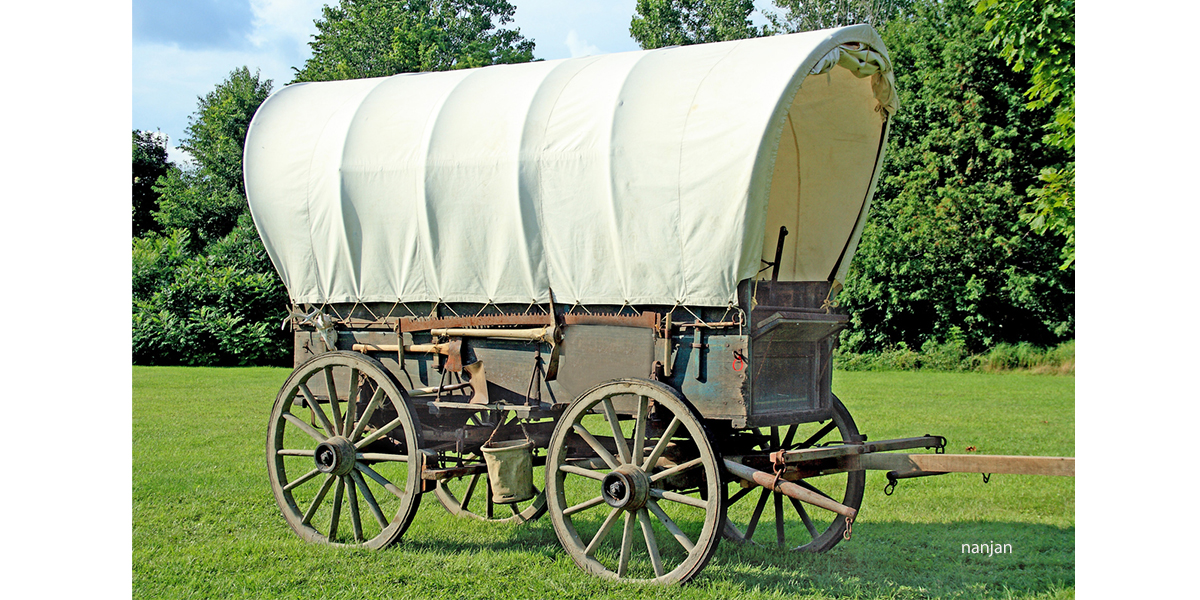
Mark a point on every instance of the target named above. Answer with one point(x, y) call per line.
point(214, 309)
point(953, 356)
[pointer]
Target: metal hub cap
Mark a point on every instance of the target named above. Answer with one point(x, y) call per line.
point(335, 455)
point(627, 487)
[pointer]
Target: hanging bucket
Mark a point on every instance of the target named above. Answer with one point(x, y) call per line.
point(510, 470)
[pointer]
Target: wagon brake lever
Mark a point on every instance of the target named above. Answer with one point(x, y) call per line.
point(555, 334)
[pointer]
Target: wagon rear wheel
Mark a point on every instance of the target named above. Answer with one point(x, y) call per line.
point(470, 496)
point(344, 452)
point(638, 498)
point(769, 518)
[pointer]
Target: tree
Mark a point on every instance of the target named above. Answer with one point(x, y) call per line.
point(149, 163)
point(375, 38)
point(661, 23)
point(204, 291)
point(944, 255)
point(216, 133)
point(207, 198)
point(809, 15)
point(1039, 35)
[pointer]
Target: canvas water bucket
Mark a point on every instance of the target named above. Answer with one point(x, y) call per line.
point(510, 470)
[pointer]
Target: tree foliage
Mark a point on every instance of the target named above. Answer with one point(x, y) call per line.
point(809, 15)
point(1039, 36)
point(373, 38)
point(216, 133)
point(207, 197)
point(219, 307)
point(149, 163)
point(204, 291)
point(945, 256)
point(661, 23)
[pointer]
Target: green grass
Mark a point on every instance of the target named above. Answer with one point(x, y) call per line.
point(205, 524)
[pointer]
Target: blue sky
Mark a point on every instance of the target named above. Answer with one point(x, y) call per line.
point(182, 48)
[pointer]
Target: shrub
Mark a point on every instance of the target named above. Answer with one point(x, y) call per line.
point(953, 356)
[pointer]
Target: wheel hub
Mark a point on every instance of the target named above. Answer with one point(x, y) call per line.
point(335, 455)
point(626, 487)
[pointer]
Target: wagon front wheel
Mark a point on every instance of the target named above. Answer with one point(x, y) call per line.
point(633, 484)
point(344, 452)
point(769, 518)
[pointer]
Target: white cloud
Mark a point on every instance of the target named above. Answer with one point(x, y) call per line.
point(281, 23)
point(168, 79)
point(579, 47)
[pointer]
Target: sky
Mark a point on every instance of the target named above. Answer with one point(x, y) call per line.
point(183, 48)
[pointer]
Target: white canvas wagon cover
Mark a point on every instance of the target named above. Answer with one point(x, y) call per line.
point(654, 177)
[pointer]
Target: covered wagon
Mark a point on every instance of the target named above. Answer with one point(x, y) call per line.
point(601, 287)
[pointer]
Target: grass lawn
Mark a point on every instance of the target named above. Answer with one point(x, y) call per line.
point(205, 524)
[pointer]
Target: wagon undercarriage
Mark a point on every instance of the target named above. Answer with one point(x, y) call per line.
point(638, 483)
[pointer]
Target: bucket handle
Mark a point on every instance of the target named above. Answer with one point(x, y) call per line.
point(521, 422)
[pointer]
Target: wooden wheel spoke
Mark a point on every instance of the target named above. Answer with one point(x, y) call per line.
point(618, 436)
point(808, 523)
point(355, 516)
point(337, 508)
point(786, 444)
point(315, 407)
point(774, 438)
point(758, 510)
point(470, 490)
point(300, 480)
point(740, 494)
point(597, 447)
point(810, 487)
point(312, 508)
point(821, 433)
point(294, 452)
point(651, 542)
point(381, 457)
point(779, 529)
point(677, 469)
point(334, 401)
point(369, 498)
point(680, 498)
point(305, 427)
point(603, 531)
point(582, 506)
point(575, 470)
point(382, 431)
point(661, 446)
point(670, 525)
point(380, 479)
point(489, 504)
point(639, 430)
point(352, 402)
point(626, 545)
point(376, 399)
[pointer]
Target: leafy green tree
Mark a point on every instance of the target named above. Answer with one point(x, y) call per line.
point(374, 38)
point(149, 163)
point(945, 256)
point(208, 197)
point(809, 15)
point(204, 291)
point(661, 23)
point(1039, 35)
point(216, 133)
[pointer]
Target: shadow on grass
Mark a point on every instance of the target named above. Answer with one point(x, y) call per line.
point(885, 559)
